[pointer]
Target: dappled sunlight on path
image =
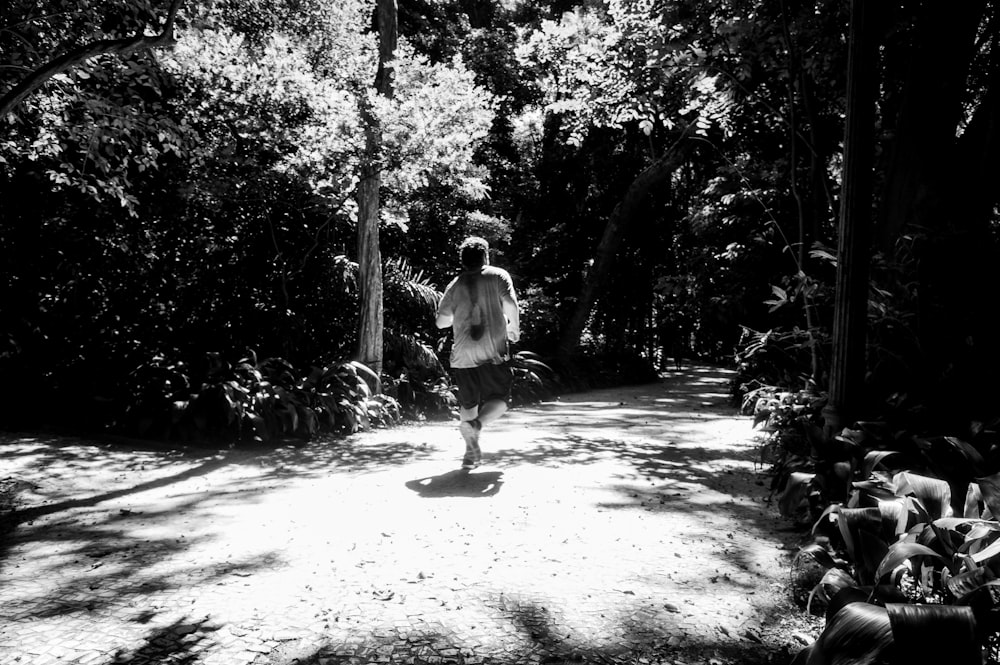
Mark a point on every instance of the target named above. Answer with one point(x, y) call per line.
point(602, 527)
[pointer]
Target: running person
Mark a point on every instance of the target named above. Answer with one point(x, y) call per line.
point(481, 307)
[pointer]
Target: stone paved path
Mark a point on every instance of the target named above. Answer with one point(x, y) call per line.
point(624, 526)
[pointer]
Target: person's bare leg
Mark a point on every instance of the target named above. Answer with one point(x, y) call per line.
point(488, 412)
point(470, 432)
point(492, 410)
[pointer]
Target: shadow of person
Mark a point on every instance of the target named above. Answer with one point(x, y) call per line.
point(460, 482)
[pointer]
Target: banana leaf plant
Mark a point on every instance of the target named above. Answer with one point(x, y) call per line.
point(860, 633)
point(915, 568)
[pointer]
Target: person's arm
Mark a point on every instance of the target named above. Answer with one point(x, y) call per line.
point(444, 320)
point(445, 311)
point(513, 315)
point(508, 300)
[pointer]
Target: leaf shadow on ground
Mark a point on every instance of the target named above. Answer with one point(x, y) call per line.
point(73, 481)
point(76, 458)
point(665, 436)
point(113, 564)
point(542, 637)
point(177, 642)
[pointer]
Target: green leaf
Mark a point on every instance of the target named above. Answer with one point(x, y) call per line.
point(934, 494)
point(895, 518)
point(827, 520)
point(900, 552)
point(350, 420)
point(845, 596)
point(821, 555)
point(920, 515)
point(934, 634)
point(861, 529)
point(941, 446)
point(308, 420)
point(870, 493)
point(984, 602)
point(873, 459)
point(980, 530)
point(985, 553)
point(374, 384)
point(965, 583)
point(258, 426)
point(873, 550)
point(989, 487)
point(858, 634)
point(824, 254)
point(834, 581)
point(940, 540)
point(530, 363)
point(973, 498)
point(953, 523)
point(796, 490)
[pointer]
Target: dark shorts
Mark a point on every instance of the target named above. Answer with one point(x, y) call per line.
point(478, 385)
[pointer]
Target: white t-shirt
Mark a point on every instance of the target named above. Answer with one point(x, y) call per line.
point(475, 300)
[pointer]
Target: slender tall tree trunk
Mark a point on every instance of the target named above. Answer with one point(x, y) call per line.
point(853, 254)
point(370, 320)
point(621, 219)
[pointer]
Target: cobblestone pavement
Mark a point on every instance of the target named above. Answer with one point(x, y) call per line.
point(624, 526)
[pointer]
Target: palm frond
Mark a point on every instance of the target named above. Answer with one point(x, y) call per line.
point(400, 276)
point(415, 354)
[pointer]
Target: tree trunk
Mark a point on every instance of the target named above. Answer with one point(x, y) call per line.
point(621, 219)
point(77, 56)
point(977, 150)
point(922, 165)
point(927, 182)
point(853, 254)
point(370, 319)
point(962, 271)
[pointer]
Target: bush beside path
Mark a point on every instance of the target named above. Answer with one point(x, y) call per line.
point(628, 525)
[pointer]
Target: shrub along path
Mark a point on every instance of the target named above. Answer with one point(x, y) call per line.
point(627, 525)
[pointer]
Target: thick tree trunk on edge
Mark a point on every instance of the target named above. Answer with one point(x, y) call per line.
point(921, 171)
point(926, 196)
point(853, 253)
point(621, 219)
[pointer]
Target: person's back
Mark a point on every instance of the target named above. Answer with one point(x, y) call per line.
point(480, 326)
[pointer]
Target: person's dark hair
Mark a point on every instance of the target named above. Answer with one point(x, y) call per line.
point(474, 253)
